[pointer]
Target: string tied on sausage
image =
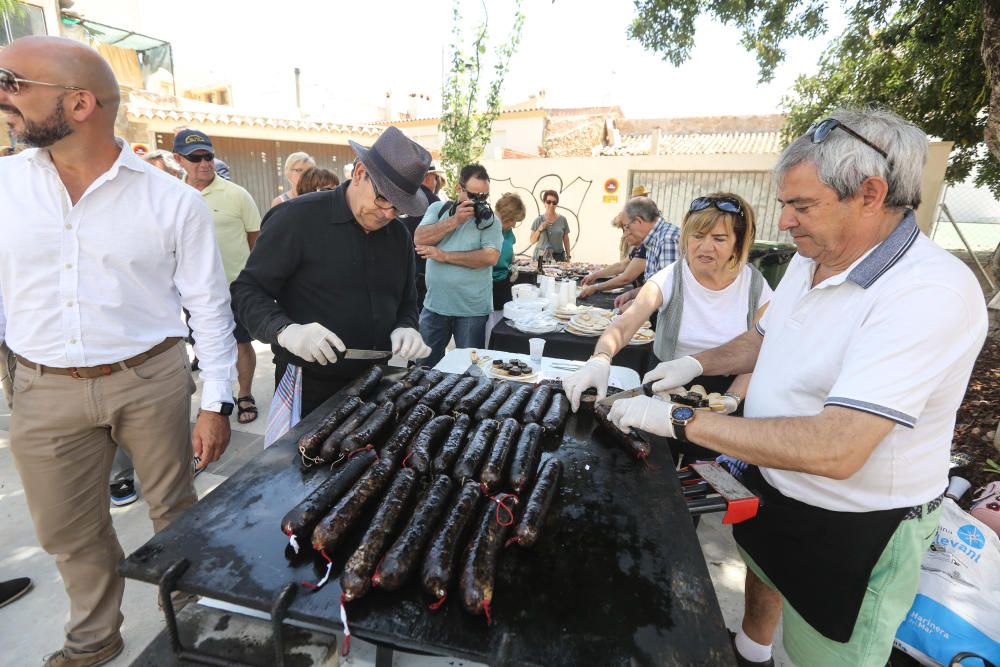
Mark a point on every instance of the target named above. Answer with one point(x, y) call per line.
point(486, 610)
point(513, 540)
point(359, 450)
point(309, 461)
point(434, 606)
point(377, 576)
point(345, 648)
point(292, 540)
point(405, 459)
point(322, 582)
point(501, 499)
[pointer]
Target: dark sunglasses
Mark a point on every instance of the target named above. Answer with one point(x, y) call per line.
point(10, 83)
point(818, 132)
point(198, 158)
point(551, 201)
point(726, 204)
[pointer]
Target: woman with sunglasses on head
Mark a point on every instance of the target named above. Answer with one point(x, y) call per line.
point(295, 165)
point(706, 298)
point(550, 230)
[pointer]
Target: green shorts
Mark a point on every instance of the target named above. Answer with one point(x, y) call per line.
point(890, 593)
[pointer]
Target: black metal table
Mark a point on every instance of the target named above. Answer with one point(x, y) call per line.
point(617, 578)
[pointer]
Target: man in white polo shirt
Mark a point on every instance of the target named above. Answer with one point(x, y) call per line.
point(859, 366)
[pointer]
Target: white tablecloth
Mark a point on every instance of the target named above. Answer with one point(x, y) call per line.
point(459, 360)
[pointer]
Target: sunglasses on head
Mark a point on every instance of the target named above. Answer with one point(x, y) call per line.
point(10, 83)
point(726, 204)
point(208, 157)
point(818, 132)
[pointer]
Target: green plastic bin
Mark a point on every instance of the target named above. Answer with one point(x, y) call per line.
point(771, 259)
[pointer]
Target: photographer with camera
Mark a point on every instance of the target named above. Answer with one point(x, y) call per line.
point(461, 242)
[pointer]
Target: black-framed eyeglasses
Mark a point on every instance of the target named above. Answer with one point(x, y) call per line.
point(818, 132)
point(381, 201)
point(10, 83)
point(725, 204)
point(195, 159)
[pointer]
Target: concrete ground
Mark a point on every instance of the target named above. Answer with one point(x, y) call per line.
point(33, 626)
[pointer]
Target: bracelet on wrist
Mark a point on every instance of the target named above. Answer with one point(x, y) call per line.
point(731, 394)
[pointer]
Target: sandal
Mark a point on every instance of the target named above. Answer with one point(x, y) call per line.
point(240, 410)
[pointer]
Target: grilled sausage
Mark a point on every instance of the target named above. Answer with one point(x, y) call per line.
point(537, 404)
point(525, 461)
point(332, 528)
point(451, 399)
point(472, 400)
point(555, 417)
point(311, 443)
point(496, 462)
point(479, 562)
point(441, 464)
point(404, 555)
point(331, 446)
point(409, 398)
point(475, 451)
point(630, 442)
point(365, 383)
point(414, 376)
point(526, 533)
point(447, 540)
point(372, 430)
point(408, 427)
point(512, 406)
point(435, 395)
point(425, 442)
point(390, 393)
point(430, 378)
point(299, 522)
point(356, 577)
point(493, 403)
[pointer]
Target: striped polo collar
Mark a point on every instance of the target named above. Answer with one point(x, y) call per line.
point(887, 253)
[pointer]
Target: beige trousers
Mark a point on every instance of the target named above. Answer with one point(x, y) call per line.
point(63, 435)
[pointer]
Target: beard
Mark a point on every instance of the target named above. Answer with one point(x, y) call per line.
point(44, 133)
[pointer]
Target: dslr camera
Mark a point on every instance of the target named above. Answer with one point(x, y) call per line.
point(480, 206)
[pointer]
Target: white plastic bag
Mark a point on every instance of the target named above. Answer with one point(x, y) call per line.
point(957, 608)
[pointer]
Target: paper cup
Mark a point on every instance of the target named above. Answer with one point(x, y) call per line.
point(957, 486)
point(536, 346)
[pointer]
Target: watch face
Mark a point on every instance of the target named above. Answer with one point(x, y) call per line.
point(227, 409)
point(682, 413)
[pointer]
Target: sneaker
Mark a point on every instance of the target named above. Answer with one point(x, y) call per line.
point(69, 658)
point(13, 589)
point(743, 662)
point(123, 493)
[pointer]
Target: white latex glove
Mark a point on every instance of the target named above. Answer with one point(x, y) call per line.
point(312, 342)
point(723, 403)
point(650, 414)
point(6, 379)
point(594, 373)
point(672, 376)
point(408, 344)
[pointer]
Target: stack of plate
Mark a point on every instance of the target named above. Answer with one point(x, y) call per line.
point(588, 324)
point(643, 336)
point(516, 310)
point(540, 323)
point(569, 311)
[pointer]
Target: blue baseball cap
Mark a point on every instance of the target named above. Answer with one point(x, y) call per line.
point(189, 141)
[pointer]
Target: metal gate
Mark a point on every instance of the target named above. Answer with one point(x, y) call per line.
point(673, 191)
point(258, 164)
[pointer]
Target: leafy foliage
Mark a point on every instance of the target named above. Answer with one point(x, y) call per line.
point(466, 121)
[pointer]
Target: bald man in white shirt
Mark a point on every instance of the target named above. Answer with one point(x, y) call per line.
point(100, 252)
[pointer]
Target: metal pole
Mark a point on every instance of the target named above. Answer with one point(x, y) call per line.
point(298, 91)
point(986, 275)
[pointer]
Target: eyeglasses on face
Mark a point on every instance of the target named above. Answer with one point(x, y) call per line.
point(10, 83)
point(198, 157)
point(818, 132)
point(381, 201)
point(725, 204)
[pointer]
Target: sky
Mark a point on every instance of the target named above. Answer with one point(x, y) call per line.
point(350, 54)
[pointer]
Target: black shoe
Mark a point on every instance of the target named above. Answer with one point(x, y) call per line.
point(743, 662)
point(123, 493)
point(194, 365)
point(13, 589)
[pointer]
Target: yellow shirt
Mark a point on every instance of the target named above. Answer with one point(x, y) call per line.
point(234, 214)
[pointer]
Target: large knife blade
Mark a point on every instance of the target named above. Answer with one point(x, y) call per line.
point(364, 354)
point(642, 390)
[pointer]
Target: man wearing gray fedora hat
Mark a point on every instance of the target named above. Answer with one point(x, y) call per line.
point(333, 270)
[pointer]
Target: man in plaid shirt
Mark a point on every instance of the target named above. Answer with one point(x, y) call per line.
point(659, 238)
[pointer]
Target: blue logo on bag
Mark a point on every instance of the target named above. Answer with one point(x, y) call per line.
point(972, 536)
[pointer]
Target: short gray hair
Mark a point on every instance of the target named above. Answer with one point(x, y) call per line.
point(298, 156)
point(843, 162)
point(642, 207)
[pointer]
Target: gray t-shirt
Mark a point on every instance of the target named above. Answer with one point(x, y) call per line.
point(551, 237)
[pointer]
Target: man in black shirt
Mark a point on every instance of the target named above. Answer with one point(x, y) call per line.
point(334, 270)
point(430, 188)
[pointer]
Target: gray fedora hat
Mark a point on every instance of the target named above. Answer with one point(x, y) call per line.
point(397, 165)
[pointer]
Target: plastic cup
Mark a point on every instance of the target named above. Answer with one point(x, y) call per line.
point(536, 346)
point(957, 486)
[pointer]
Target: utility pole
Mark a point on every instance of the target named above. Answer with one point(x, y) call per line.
point(298, 91)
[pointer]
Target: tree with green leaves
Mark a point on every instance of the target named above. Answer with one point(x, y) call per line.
point(466, 121)
point(931, 61)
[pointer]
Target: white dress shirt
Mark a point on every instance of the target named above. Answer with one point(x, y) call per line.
point(104, 280)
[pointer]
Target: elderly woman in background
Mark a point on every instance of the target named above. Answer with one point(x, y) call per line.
point(315, 179)
point(706, 298)
point(629, 272)
point(550, 230)
point(164, 161)
point(511, 211)
point(295, 166)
